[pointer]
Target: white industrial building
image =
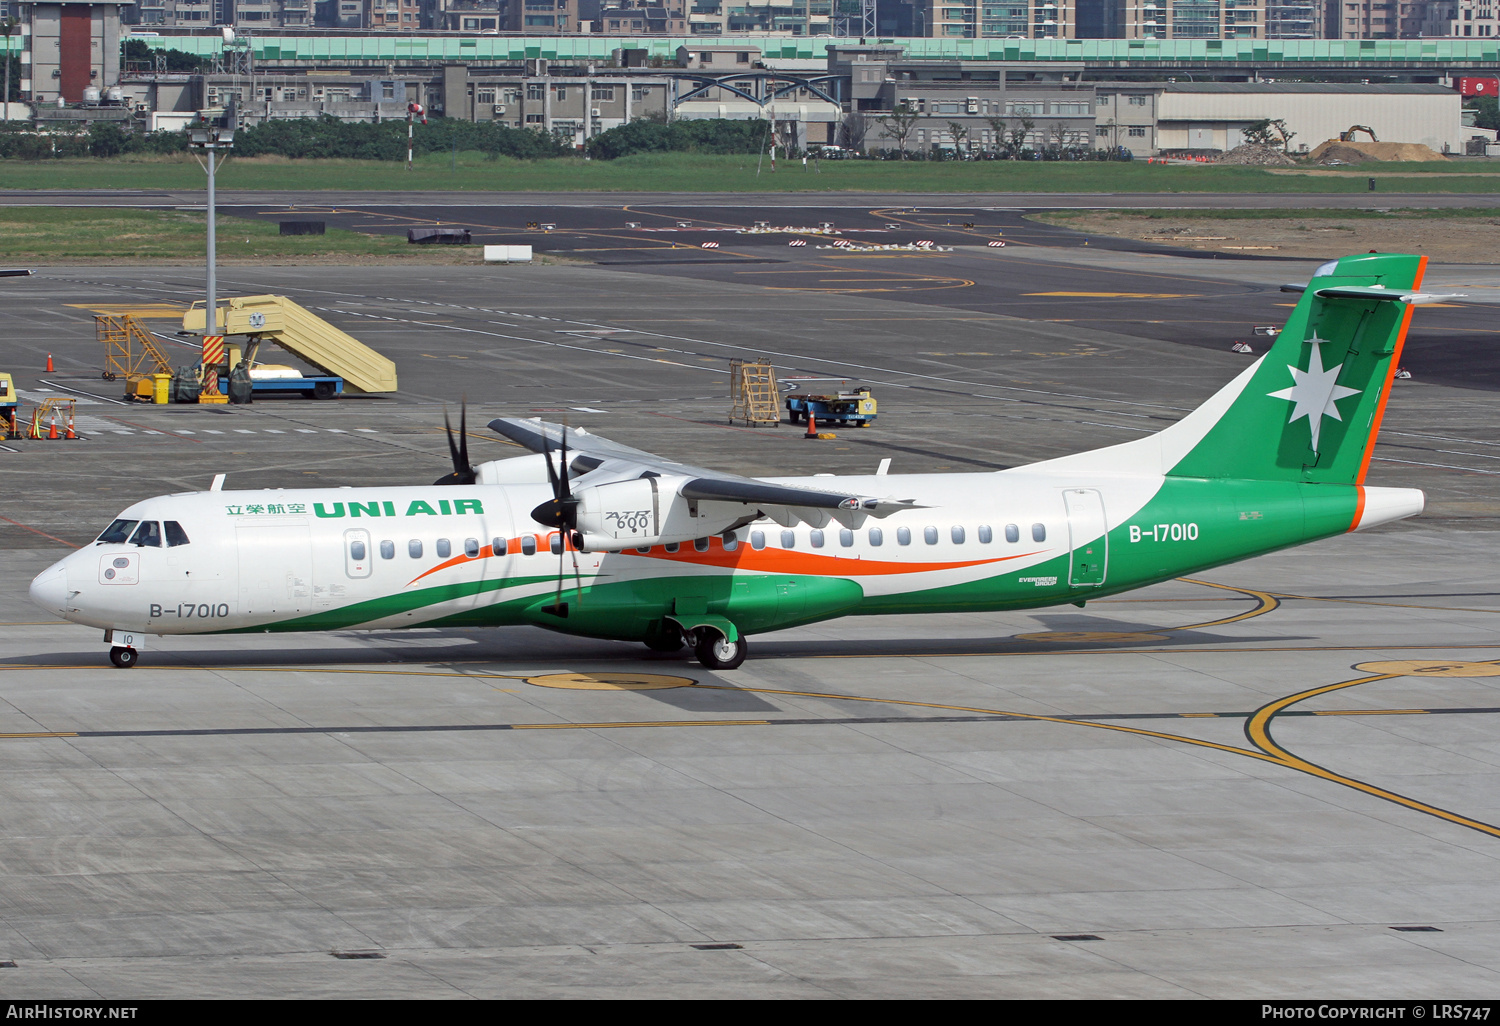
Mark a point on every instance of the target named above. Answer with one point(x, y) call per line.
point(1208, 116)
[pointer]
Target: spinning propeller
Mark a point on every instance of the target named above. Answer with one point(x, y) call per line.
point(560, 513)
point(463, 472)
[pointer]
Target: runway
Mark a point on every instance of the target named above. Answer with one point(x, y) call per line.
point(1273, 780)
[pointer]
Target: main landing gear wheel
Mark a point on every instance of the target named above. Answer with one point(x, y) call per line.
point(125, 658)
point(666, 642)
point(715, 652)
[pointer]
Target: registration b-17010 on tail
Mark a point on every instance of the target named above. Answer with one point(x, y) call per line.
point(593, 538)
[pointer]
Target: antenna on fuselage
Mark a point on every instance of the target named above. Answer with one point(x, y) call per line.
point(218, 485)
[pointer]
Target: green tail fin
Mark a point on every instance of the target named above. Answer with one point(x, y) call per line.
point(1309, 410)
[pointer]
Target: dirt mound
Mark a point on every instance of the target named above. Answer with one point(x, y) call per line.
point(1257, 155)
point(1360, 152)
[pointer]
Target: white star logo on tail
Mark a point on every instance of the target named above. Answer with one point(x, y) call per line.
point(1314, 391)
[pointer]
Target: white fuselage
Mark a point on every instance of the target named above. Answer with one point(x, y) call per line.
point(268, 557)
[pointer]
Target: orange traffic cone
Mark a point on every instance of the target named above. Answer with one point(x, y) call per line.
point(812, 426)
point(52, 431)
point(49, 363)
point(36, 424)
point(71, 434)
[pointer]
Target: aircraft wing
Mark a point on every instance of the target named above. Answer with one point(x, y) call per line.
point(604, 461)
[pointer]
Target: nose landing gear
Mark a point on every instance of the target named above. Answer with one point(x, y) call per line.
point(123, 657)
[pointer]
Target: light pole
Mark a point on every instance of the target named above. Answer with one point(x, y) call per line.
point(212, 136)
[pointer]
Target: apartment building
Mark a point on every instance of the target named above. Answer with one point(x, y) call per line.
point(487, 16)
point(634, 17)
point(1461, 18)
point(389, 15)
point(1100, 19)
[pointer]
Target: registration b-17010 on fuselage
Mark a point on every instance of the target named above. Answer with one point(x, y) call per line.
point(594, 538)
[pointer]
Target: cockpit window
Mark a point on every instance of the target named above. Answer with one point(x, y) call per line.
point(148, 534)
point(175, 534)
point(117, 532)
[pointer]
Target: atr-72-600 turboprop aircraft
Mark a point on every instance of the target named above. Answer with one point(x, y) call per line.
point(593, 538)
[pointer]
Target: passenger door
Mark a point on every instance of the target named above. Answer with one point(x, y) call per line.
point(1087, 537)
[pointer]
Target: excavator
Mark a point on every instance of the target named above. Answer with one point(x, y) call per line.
point(1348, 135)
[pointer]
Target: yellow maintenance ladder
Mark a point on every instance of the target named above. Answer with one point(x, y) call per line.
point(128, 351)
point(752, 389)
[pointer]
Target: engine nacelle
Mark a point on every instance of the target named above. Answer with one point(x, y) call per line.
point(517, 470)
point(648, 511)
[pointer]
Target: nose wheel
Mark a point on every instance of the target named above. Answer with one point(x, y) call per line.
point(122, 657)
point(716, 652)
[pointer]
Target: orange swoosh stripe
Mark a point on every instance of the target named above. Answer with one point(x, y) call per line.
point(743, 557)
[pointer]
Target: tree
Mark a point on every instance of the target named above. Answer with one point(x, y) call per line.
point(1268, 132)
point(1486, 111)
point(852, 131)
point(900, 124)
point(960, 134)
point(1019, 135)
point(997, 125)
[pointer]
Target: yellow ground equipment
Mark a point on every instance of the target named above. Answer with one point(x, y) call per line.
point(752, 388)
point(44, 421)
point(303, 334)
point(8, 403)
point(131, 353)
point(1348, 136)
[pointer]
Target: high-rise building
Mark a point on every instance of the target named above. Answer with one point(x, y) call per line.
point(1118, 19)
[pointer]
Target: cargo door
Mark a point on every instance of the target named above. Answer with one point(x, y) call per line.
point(1087, 537)
point(276, 569)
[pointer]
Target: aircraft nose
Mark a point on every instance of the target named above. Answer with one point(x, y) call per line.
point(49, 589)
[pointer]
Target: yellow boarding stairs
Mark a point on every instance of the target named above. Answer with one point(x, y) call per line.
point(303, 334)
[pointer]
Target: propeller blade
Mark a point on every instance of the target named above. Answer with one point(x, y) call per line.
point(560, 511)
point(458, 451)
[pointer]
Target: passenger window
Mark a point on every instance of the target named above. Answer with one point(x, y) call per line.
point(471, 548)
point(672, 546)
point(387, 550)
point(554, 542)
point(498, 546)
point(148, 534)
point(730, 542)
point(789, 539)
point(357, 551)
point(701, 544)
point(957, 534)
point(877, 537)
point(816, 537)
point(929, 535)
point(903, 536)
point(846, 538)
point(644, 549)
point(444, 548)
point(175, 534)
point(1039, 532)
point(757, 540)
point(985, 534)
point(117, 532)
point(414, 548)
point(1012, 533)
point(528, 544)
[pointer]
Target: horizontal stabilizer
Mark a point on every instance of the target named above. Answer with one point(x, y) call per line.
point(1375, 292)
